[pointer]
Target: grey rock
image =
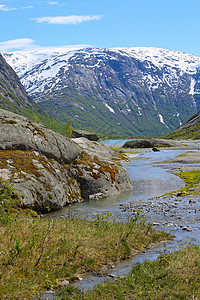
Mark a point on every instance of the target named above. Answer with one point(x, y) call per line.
point(192, 201)
point(96, 149)
point(155, 149)
point(98, 175)
point(97, 196)
point(86, 134)
point(19, 133)
point(151, 143)
point(51, 171)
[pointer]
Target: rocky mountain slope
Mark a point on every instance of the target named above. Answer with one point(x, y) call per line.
point(50, 170)
point(12, 93)
point(13, 97)
point(122, 91)
point(189, 130)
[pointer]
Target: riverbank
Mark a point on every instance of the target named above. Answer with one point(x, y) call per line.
point(174, 276)
point(43, 254)
point(47, 253)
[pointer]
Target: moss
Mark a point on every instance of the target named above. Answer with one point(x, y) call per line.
point(107, 168)
point(22, 161)
point(192, 181)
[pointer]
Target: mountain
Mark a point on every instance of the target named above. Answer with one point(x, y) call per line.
point(12, 93)
point(189, 130)
point(13, 97)
point(117, 92)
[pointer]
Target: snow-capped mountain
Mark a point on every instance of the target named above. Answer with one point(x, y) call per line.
point(119, 91)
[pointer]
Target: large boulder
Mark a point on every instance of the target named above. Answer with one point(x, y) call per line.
point(94, 148)
point(97, 171)
point(151, 143)
point(50, 170)
point(86, 134)
point(19, 133)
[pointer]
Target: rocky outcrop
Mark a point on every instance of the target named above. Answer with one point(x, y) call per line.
point(94, 148)
point(19, 133)
point(96, 170)
point(86, 134)
point(151, 143)
point(50, 170)
point(188, 130)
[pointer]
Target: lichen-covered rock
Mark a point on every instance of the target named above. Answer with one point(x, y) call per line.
point(51, 171)
point(43, 183)
point(98, 175)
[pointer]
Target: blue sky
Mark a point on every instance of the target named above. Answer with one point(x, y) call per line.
point(171, 24)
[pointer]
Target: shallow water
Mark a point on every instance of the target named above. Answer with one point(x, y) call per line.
point(148, 181)
point(175, 215)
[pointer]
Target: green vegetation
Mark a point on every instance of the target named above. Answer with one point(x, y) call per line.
point(192, 132)
point(68, 128)
point(38, 254)
point(96, 116)
point(10, 203)
point(192, 182)
point(174, 276)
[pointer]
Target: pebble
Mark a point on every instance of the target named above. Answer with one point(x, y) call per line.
point(192, 201)
point(64, 283)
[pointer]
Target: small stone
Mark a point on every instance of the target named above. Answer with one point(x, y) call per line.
point(155, 224)
point(112, 275)
point(181, 193)
point(64, 283)
point(192, 201)
point(184, 228)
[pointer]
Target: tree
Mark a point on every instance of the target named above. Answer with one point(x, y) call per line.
point(52, 123)
point(90, 129)
point(35, 118)
point(68, 128)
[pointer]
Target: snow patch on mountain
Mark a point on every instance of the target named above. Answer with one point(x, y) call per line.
point(192, 84)
point(110, 108)
point(163, 57)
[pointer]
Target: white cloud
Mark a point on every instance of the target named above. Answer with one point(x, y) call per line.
point(52, 2)
point(27, 7)
point(26, 45)
point(5, 8)
point(74, 19)
point(17, 44)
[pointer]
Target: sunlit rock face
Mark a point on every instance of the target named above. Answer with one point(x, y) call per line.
point(50, 170)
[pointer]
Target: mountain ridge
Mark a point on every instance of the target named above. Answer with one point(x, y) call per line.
point(14, 98)
point(141, 91)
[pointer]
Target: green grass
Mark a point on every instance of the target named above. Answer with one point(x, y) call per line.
point(186, 133)
point(174, 276)
point(37, 254)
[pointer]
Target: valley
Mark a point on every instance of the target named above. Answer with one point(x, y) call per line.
point(118, 91)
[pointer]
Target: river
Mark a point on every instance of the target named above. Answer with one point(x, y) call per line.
point(179, 216)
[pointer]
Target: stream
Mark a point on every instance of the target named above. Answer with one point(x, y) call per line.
point(179, 216)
